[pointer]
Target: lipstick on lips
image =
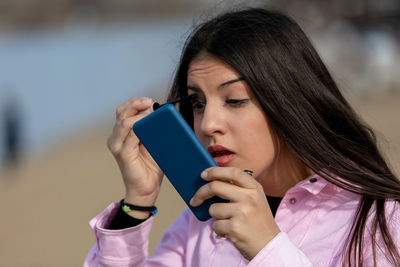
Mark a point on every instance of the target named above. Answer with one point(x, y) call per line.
point(221, 154)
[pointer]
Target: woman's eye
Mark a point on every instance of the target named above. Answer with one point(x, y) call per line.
point(236, 102)
point(198, 105)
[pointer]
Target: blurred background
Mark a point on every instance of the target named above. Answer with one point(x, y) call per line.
point(65, 65)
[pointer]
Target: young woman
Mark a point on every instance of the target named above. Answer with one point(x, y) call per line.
point(320, 194)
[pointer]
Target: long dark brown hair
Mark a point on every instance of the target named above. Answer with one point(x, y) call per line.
point(304, 105)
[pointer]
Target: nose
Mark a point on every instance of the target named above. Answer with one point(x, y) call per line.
point(212, 120)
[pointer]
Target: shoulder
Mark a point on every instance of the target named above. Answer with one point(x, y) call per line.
point(325, 194)
point(392, 214)
point(374, 237)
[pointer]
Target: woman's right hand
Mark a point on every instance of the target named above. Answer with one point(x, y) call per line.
point(141, 174)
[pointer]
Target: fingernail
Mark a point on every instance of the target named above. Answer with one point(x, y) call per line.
point(248, 172)
point(204, 174)
point(191, 201)
point(145, 100)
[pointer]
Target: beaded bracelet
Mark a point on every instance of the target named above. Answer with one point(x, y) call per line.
point(129, 207)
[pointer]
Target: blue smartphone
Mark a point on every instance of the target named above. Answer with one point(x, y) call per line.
point(178, 152)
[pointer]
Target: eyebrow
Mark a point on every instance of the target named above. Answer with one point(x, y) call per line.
point(197, 89)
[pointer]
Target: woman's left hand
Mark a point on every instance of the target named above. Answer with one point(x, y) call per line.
point(247, 219)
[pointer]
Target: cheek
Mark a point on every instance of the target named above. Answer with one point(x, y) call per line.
point(196, 129)
point(196, 126)
point(259, 144)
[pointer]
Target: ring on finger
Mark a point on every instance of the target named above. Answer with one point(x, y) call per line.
point(219, 236)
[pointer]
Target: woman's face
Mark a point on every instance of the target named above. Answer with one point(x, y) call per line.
point(231, 124)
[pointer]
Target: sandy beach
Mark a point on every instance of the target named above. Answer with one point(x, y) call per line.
point(47, 203)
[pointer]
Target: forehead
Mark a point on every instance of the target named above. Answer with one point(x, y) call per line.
point(208, 66)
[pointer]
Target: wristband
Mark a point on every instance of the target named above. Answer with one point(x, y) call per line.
point(129, 207)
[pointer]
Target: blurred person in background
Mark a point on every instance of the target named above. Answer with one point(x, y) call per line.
point(11, 129)
point(321, 194)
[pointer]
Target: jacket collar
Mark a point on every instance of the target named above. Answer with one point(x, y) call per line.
point(314, 184)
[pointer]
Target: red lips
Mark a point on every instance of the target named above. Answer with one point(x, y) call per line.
point(221, 154)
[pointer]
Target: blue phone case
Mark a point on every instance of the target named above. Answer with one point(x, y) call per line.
point(178, 152)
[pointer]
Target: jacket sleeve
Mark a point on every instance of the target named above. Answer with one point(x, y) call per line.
point(280, 251)
point(125, 247)
point(129, 247)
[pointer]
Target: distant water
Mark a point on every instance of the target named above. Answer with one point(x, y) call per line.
point(67, 79)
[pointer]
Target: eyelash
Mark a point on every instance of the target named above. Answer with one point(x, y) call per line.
point(235, 103)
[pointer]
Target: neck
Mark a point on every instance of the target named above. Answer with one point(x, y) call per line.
point(285, 173)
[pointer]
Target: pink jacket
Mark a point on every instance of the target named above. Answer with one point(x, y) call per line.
point(314, 217)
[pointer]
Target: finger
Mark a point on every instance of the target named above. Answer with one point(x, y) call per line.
point(221, 211)
point(122, 107)
point(221, 189)
point(123, 132)
point(132, 107)
point(222, 228)
point(230, 174)
point(131, 142)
